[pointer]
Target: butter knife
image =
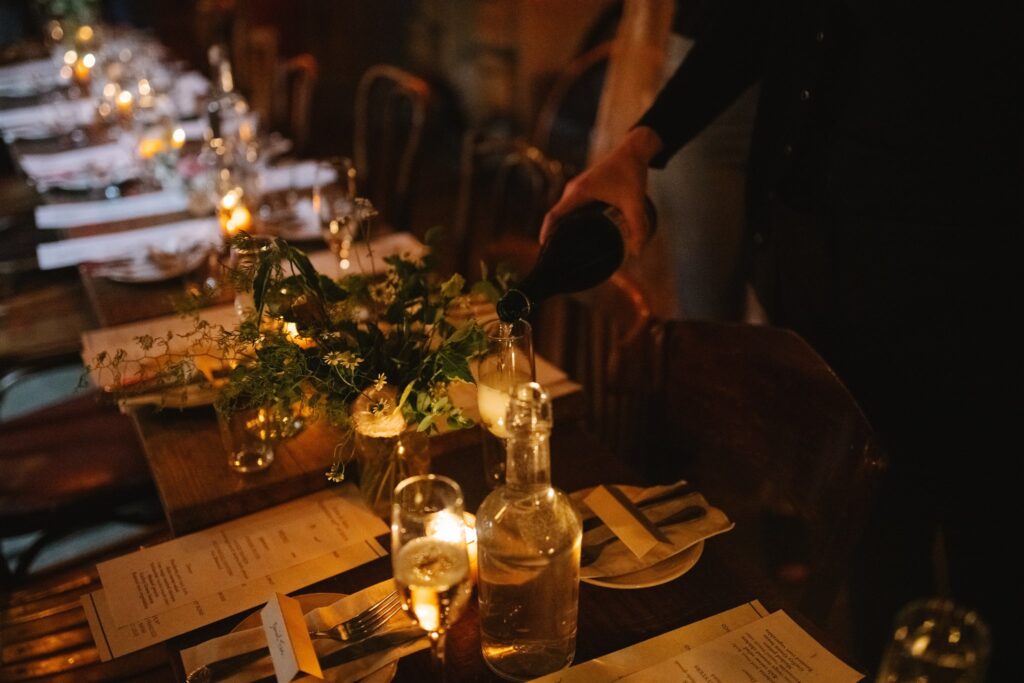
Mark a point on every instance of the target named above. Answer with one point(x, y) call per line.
point(671, 494)
point(215, 671)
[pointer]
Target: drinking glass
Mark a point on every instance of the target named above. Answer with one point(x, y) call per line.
point(507, 363)
point(936, 641)
point(334, 197)
point(429, 558)
point(249, 436)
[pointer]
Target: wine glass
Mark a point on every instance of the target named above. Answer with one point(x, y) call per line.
point(428, 555)
point(936, 640)
point(334, 196)
point(507, 363)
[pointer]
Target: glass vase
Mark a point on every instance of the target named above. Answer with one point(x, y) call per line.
point(385, 461)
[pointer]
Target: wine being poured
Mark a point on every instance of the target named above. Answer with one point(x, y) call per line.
point(585, 248)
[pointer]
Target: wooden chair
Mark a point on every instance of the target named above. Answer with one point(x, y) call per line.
point(592, 335)
point(506, 185)
point(569, 110)
point(45, 636)
point(391, 110)
point(295, 80)
point(760, 424)
point(66, 467)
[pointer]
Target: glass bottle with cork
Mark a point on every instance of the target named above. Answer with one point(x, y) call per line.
point(528, 545)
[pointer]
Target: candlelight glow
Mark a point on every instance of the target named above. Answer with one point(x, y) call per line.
point(70, 57)
point(233, 215)
point(89, 60)
point(150, 147)
point(424, 605)
point(291, 331)
point(178, 138)
point(124, 101)
point(85, 34)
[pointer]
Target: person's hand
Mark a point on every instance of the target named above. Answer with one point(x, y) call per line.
point(619, 179)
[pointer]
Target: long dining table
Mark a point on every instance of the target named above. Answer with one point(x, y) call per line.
point(197, 491)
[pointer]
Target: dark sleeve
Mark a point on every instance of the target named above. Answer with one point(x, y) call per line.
point(726, 58)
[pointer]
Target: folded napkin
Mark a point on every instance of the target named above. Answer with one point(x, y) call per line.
point(169, 238)
point(188, 88)
point(317, 619)
point(617, 560)
point(77, 214)
point(291, 176)
point(66, 112)
point(29, 78)
point(110, 158)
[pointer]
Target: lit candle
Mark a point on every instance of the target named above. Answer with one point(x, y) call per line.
point(291, 332)
point(233, 214)
point(178, 138)
point(471, 545)
point(124, 102)
point(150, 147)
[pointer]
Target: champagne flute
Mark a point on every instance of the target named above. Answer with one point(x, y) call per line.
point(507, 363)
point(428, 551)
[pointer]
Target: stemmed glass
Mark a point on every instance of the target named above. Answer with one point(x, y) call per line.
point(428, 551)
point(507, 363)
point(936, 640)
point(334, 196)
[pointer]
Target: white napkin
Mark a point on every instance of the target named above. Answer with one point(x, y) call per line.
point(76, 214)
point(67, 112)
point(117, 245)
point(188, 88)
point(320, 618)
point(111, 157)
point(291, 176)
point(29, 78)
point(617, 560)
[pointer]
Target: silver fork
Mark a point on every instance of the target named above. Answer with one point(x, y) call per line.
point(358, 627)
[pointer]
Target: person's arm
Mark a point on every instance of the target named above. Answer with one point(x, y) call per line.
point(725, 60)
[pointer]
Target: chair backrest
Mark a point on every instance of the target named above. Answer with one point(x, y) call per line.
point(390, 116)
point(295, 80)
point(506, 185)
point(761, 424)
point(569, 110)
point(591, 336)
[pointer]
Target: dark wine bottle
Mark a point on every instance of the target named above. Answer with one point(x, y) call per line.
point(585, 248)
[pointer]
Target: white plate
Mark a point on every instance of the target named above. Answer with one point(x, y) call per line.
point(154, 268)
point(667, 570)
point(311, 601)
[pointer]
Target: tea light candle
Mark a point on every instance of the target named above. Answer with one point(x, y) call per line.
point(150, 147)
point(124, 102)
point(233, 215)
point(291, 332)
point(178, 138)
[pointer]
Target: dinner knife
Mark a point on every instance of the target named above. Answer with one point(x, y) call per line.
point(589, 554)
point(215, 671)
point(672, 494)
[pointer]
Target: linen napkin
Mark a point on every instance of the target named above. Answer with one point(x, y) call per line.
point(616, 559)
point(291, 176)
point(68, 112)
point(77, 214)
point(29, 78)
point(111, 157)
point(317, 619)
point(169, 238)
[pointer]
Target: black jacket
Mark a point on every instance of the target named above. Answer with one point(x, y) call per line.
point(900, 109)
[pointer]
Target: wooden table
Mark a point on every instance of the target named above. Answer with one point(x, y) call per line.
point(609, 619)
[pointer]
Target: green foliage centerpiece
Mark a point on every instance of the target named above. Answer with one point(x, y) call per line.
point(372, 353)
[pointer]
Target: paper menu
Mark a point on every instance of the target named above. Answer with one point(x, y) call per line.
point(770, 650)
point(617, 665)
point(163, 577)
point(113, 640)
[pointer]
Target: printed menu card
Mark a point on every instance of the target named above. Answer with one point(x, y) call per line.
point(742, 644)
point(157, 593)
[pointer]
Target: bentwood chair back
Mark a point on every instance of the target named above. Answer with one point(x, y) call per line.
point(761, 424)
point(593, 336)
point(295, 80)
point(506, 185)
point(569, 110)
point(391, 110)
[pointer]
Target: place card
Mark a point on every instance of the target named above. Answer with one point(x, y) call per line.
point(151, 581)
point(291, 648)
point(768, 650)
point(624, 519)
